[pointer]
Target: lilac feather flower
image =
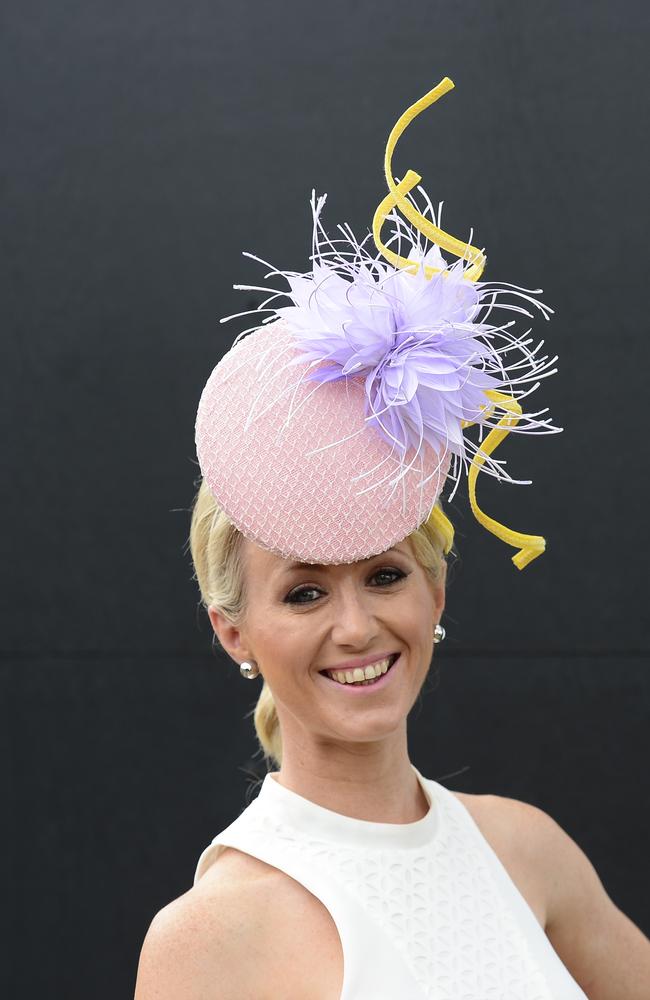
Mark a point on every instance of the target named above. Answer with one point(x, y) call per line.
point(421, 345)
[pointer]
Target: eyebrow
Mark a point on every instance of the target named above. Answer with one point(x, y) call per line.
point(317, 566)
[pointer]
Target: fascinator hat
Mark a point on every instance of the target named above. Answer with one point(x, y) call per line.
point(329, 429)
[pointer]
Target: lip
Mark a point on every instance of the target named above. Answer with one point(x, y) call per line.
point(359, 689)
point(363, 661)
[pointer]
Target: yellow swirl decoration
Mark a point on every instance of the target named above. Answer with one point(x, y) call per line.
point(397, 198)
point(530, 546)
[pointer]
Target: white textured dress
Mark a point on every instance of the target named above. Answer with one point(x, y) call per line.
point(424, 910)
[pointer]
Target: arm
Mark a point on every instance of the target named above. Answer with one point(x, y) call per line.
point(602, 948)
point(193, 951)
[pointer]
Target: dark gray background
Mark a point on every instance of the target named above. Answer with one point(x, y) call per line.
point(145, 146)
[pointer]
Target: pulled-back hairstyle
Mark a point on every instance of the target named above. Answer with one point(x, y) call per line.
point(216, 549)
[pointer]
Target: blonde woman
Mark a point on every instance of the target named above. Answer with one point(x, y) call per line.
point(320, 547)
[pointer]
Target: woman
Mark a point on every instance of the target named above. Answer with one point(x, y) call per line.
point(320, 544)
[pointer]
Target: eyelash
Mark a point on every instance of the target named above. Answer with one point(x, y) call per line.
point(399, 575)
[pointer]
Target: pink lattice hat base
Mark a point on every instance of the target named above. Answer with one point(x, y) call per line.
point(258, 431)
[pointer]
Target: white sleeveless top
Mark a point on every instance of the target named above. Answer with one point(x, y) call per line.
point(423, 910)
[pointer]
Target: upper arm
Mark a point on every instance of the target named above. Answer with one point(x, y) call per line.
point(603, 949)
point(192, 951)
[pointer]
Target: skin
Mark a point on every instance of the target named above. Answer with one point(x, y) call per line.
point(345, 753)
point(349, 754)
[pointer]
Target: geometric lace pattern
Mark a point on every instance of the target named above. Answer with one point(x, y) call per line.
point(336, 505)
point(440, 906)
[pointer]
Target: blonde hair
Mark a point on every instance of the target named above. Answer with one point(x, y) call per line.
point(216, 549)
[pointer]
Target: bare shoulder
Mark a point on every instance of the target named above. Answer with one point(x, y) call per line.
point(507, 824)
point(245, 931)
point(605, 952)
point(497, 807)
point(201, 945)
point(232, 868)
point(510, 826)
point(298, 950)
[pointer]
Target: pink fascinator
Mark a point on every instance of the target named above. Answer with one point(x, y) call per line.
point(329, 429)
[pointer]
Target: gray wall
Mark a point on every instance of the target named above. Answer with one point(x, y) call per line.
point(145, 146)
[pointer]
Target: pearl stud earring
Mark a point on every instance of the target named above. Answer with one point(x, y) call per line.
point(249, 670)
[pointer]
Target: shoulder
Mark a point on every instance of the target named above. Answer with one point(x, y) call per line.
point(199, 945)
point(504, 818)
point(528, 839)
point(512, 828)
point(602, 948)
point(519, 833)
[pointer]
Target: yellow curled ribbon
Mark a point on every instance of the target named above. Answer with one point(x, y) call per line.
point(530, 546)
point(397, 198)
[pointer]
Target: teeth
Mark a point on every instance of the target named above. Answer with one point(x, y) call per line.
point(360, 673)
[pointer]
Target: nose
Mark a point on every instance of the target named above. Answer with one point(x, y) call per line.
point(354, 623)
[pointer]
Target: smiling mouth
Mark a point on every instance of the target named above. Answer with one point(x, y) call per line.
point(354, 676)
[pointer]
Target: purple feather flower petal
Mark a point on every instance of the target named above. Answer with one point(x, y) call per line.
point(423, 346)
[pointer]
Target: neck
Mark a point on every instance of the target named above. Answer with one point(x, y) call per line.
point(374, 783)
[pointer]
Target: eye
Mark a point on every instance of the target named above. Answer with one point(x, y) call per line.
point(390, 576)
point(390, 571)
point(294, 596)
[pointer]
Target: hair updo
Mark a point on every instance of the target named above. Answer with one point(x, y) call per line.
point(215, 545)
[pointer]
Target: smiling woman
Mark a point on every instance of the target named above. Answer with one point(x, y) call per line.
point(281, 593)
point(325, 436)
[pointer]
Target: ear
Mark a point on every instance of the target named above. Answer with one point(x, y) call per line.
point(229, 635)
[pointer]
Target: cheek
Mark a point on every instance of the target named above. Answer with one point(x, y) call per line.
point(416, 618)
point(284, 644)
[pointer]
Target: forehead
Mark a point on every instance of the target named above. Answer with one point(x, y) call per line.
point(273, 566)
